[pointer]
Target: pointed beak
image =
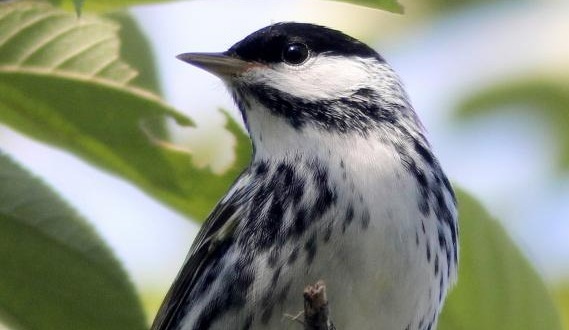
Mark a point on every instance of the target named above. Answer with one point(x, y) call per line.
point(219, 64)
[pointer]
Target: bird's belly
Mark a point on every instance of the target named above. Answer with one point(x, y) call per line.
point(377, 261)
point(373, 278)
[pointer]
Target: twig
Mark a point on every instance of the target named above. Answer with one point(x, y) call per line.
point(316, 310)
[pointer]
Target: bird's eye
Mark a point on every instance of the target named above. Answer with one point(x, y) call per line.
point(295, 53)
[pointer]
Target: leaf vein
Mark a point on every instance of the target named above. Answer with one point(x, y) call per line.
point(21, 28)
point(105, 65)
point(47, 41)
point(79, 51)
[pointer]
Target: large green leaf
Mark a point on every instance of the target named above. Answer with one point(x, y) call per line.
point(546, 97)
point(497, 288)
point(55, 271)
point(109, 5)
point(62, 81)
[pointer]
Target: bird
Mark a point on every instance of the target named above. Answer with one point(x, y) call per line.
point(343, 187)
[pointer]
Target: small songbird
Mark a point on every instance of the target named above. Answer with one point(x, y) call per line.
point(343, 187)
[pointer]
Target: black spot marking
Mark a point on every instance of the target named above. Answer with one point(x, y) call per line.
point(445, 216)
point(283, 293)
point(268, 228)
point(348, 218)
point(276, 275)
point(433, 318)
point(235, 288)
point(446, 249)
point(441, 288)
point(421, 178)
point(261, 197)
point(297, 189)
point(423, 185)
point(288, 185)
point(365, 219)
point(248, 322)
point(343, 167)
point(326, 197)
point(293, 256)
point(442, 239)
point(261, 169)
point(424, 152)
point(328, 233)
point(449, 188)
point(205, 320)
point(238, 284)
point(300, 222)
point(267, 312)
point(310, 247)
point(436, 264)
point(209, 276)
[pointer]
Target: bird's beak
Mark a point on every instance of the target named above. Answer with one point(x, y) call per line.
point(219, 64)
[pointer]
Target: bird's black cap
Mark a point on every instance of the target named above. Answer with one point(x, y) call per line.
point(266, 45)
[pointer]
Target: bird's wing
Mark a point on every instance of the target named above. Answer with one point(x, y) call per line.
point(218, 227)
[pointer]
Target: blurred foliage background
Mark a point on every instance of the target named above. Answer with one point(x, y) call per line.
point(110, 153)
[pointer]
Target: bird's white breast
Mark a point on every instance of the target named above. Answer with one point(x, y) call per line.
point(377, 274)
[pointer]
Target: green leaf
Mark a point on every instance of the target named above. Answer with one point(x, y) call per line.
point(56, 272)
point(111, 5)
point(497, 287)
point(62, 81)
point(545, 97)
point(561, 294)
point(388, 5)
point(136, 50)
point(445, 6)
point(101, 5)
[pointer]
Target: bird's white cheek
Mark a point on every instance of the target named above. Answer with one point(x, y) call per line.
point(324, 77)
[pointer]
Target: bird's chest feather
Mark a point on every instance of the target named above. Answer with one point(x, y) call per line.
point(347, 217)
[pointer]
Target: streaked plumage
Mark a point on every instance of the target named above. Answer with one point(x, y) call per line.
point(343, 187)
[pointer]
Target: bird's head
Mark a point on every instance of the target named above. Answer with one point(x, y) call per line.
point(296, 78)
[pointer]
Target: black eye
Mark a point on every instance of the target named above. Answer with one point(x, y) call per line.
point(295, 53)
